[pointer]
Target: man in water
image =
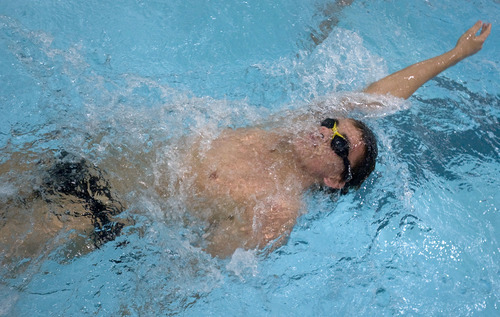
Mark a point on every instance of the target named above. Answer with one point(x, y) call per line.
point(247, 184)
point(258, 176)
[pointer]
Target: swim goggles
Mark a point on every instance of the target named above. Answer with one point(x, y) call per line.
point(340, 146)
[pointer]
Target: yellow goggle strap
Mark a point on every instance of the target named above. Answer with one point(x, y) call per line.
point(336, 132)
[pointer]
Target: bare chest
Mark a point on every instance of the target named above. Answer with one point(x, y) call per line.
point(243, 167)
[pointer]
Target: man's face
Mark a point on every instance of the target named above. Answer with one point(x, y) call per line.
point(316, 157)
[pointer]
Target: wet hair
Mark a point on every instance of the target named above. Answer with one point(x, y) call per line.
point(363, 168)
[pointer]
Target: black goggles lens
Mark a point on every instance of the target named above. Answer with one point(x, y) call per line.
point(340, 146)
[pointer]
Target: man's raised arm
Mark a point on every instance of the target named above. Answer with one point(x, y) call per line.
point(405, 82)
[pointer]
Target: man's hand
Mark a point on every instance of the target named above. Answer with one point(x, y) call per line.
point(470, 43)
point(405, 82)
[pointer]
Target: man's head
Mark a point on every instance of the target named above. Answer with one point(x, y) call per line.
point(340, 154)
point(357, 149)
point(363, 168)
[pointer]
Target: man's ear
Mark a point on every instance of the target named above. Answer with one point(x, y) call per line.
point(334, 182)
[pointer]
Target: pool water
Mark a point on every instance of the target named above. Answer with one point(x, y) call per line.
point(121, 82)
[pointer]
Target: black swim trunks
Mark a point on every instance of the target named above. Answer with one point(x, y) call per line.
point(81, 190)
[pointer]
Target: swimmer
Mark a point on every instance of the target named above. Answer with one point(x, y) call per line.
point(263, 173)
point(247, 185)
point(69, 202)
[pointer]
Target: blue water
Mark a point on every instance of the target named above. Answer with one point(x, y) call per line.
point(106, 78)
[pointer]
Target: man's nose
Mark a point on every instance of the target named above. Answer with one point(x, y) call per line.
point(327, 134)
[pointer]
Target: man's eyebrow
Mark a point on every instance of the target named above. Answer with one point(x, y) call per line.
point(346, 137)
point(348, 140)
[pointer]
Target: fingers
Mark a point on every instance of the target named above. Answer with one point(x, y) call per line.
point(473, 30)
point(485, 31)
